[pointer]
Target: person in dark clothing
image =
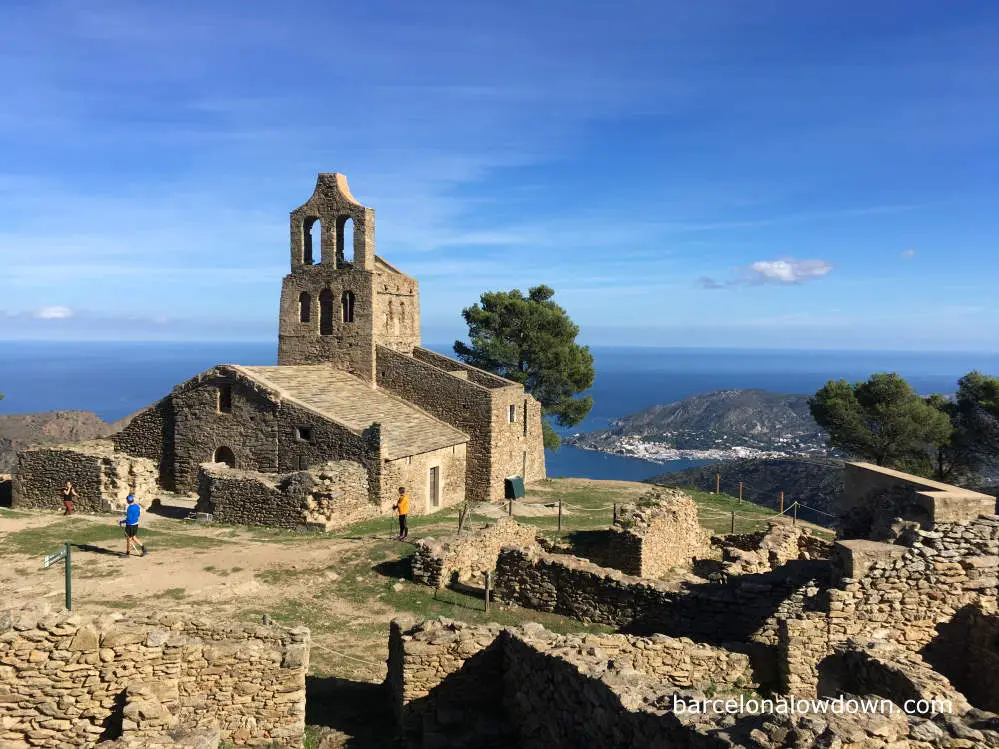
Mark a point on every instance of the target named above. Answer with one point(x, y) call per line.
point(69, 495)
point(403, 508)
point(131, 524)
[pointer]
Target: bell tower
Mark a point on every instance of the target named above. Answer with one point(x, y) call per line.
point(340, 300)
point(328, 300)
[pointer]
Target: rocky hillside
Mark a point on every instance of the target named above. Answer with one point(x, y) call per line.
point(816, 482)
point(752, 419)
point(18, 431)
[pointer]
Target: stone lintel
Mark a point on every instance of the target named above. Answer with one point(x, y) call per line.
point(959, 506)
point(856, 557)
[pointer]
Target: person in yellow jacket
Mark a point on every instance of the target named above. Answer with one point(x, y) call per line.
point(403, 508)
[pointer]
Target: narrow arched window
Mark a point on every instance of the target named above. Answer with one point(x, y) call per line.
point(347, 306)
point(304, 307)
point(225, 455)
point(326, 312)
point(345, 240)
point(313, 246)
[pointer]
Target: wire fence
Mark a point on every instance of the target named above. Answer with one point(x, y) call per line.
point(736, 515)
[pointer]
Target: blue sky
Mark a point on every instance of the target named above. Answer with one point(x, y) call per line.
point(745, 174)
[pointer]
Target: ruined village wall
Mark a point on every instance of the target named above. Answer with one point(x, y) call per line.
point(149, 434)
point(655, 536)
point(873, 497)
point(325, 497)
point(891, 592)
point(413, 472)
point(469, 554)
point(744, 610)
point(96, 470)
point(888, 671)
point(63, 677)
point(966, 650)
point(461, 403)
point(485, 685)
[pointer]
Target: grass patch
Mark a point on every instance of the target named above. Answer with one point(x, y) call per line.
point(177, 594)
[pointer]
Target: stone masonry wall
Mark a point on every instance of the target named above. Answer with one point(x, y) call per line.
point(896, 593)
point(463, 404)
point(455, 685)
point(323, 498)
point(96, 470)
point(469, 554)
point(747, 610)
point(413, 472)
point(63, 677)
point(966, 650)
point(767, 550)
point(149, 434)
point(249, 430)
point(656, 535)
point(449, 681)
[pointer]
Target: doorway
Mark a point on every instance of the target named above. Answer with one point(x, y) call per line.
point(435, 486)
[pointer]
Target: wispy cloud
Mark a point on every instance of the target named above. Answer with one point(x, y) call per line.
point(907, 254)
point(784, 272)
point(787, 271)
point(53, 313)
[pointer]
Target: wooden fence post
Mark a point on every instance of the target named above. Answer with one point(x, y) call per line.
point(733, 522)
point(740, 492)
point(782, 503)
point(560, 517)
point(717, 483)
point(487, 591)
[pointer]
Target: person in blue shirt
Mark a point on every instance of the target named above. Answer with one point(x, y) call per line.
point(131, 523)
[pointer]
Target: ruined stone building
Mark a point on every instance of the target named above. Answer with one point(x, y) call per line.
point(353, 396)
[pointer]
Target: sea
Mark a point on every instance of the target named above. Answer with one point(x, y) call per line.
point(114, 379)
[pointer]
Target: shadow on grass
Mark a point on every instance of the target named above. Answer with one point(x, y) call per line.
point(359, 709)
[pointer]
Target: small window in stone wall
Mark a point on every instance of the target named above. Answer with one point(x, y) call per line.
point(326, 312)
point(304, 307)
point(225, 399)
point(303, 434)
point(347, 306)
point(513, 414)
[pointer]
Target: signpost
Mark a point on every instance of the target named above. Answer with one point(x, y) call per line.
point(58, 556)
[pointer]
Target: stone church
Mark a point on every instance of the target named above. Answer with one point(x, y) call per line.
point(355, 403)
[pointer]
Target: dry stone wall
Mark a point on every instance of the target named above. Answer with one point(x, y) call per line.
point(745, 609)
point(64, 679)
point(467, 555)
point(97, 470)
point(149, 434)
point(657, 535)
point(456, 685)
point(764, 551)
point(329, 496)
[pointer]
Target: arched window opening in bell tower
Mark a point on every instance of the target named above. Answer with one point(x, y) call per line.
point(326, 312)
point(345, 240)
point(304, 307)
point(313, 247)
point(347, 306)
